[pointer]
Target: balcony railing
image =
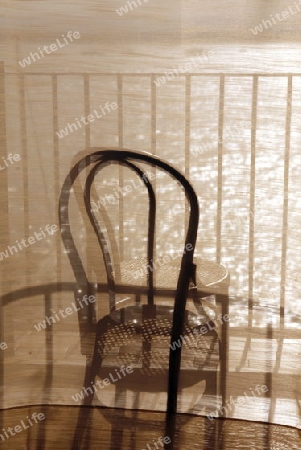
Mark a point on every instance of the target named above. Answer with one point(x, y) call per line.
point(236, 136)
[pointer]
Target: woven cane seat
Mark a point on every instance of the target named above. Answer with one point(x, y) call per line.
point(144, 344)
point(209, 273)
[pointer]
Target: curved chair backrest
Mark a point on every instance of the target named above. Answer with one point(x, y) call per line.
point(100, 235)
point(101, 158)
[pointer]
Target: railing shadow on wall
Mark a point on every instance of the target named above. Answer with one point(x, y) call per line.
point(198, 145)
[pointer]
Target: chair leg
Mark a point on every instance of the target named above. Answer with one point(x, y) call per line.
point(170, 430)
point(117, 426)
point(224, 300)
point(84, 411)
point(92, 366)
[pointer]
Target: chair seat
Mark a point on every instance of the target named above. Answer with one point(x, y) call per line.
point(144, 344)
point(209, 273)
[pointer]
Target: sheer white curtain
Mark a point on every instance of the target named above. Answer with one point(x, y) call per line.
point(230, 123)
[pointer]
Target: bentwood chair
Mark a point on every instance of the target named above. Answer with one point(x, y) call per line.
point(153, 332)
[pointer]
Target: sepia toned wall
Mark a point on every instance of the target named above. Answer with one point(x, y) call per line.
point(231, 128)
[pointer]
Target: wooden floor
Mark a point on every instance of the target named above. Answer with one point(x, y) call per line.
point(48, 368)
point(134, 430)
